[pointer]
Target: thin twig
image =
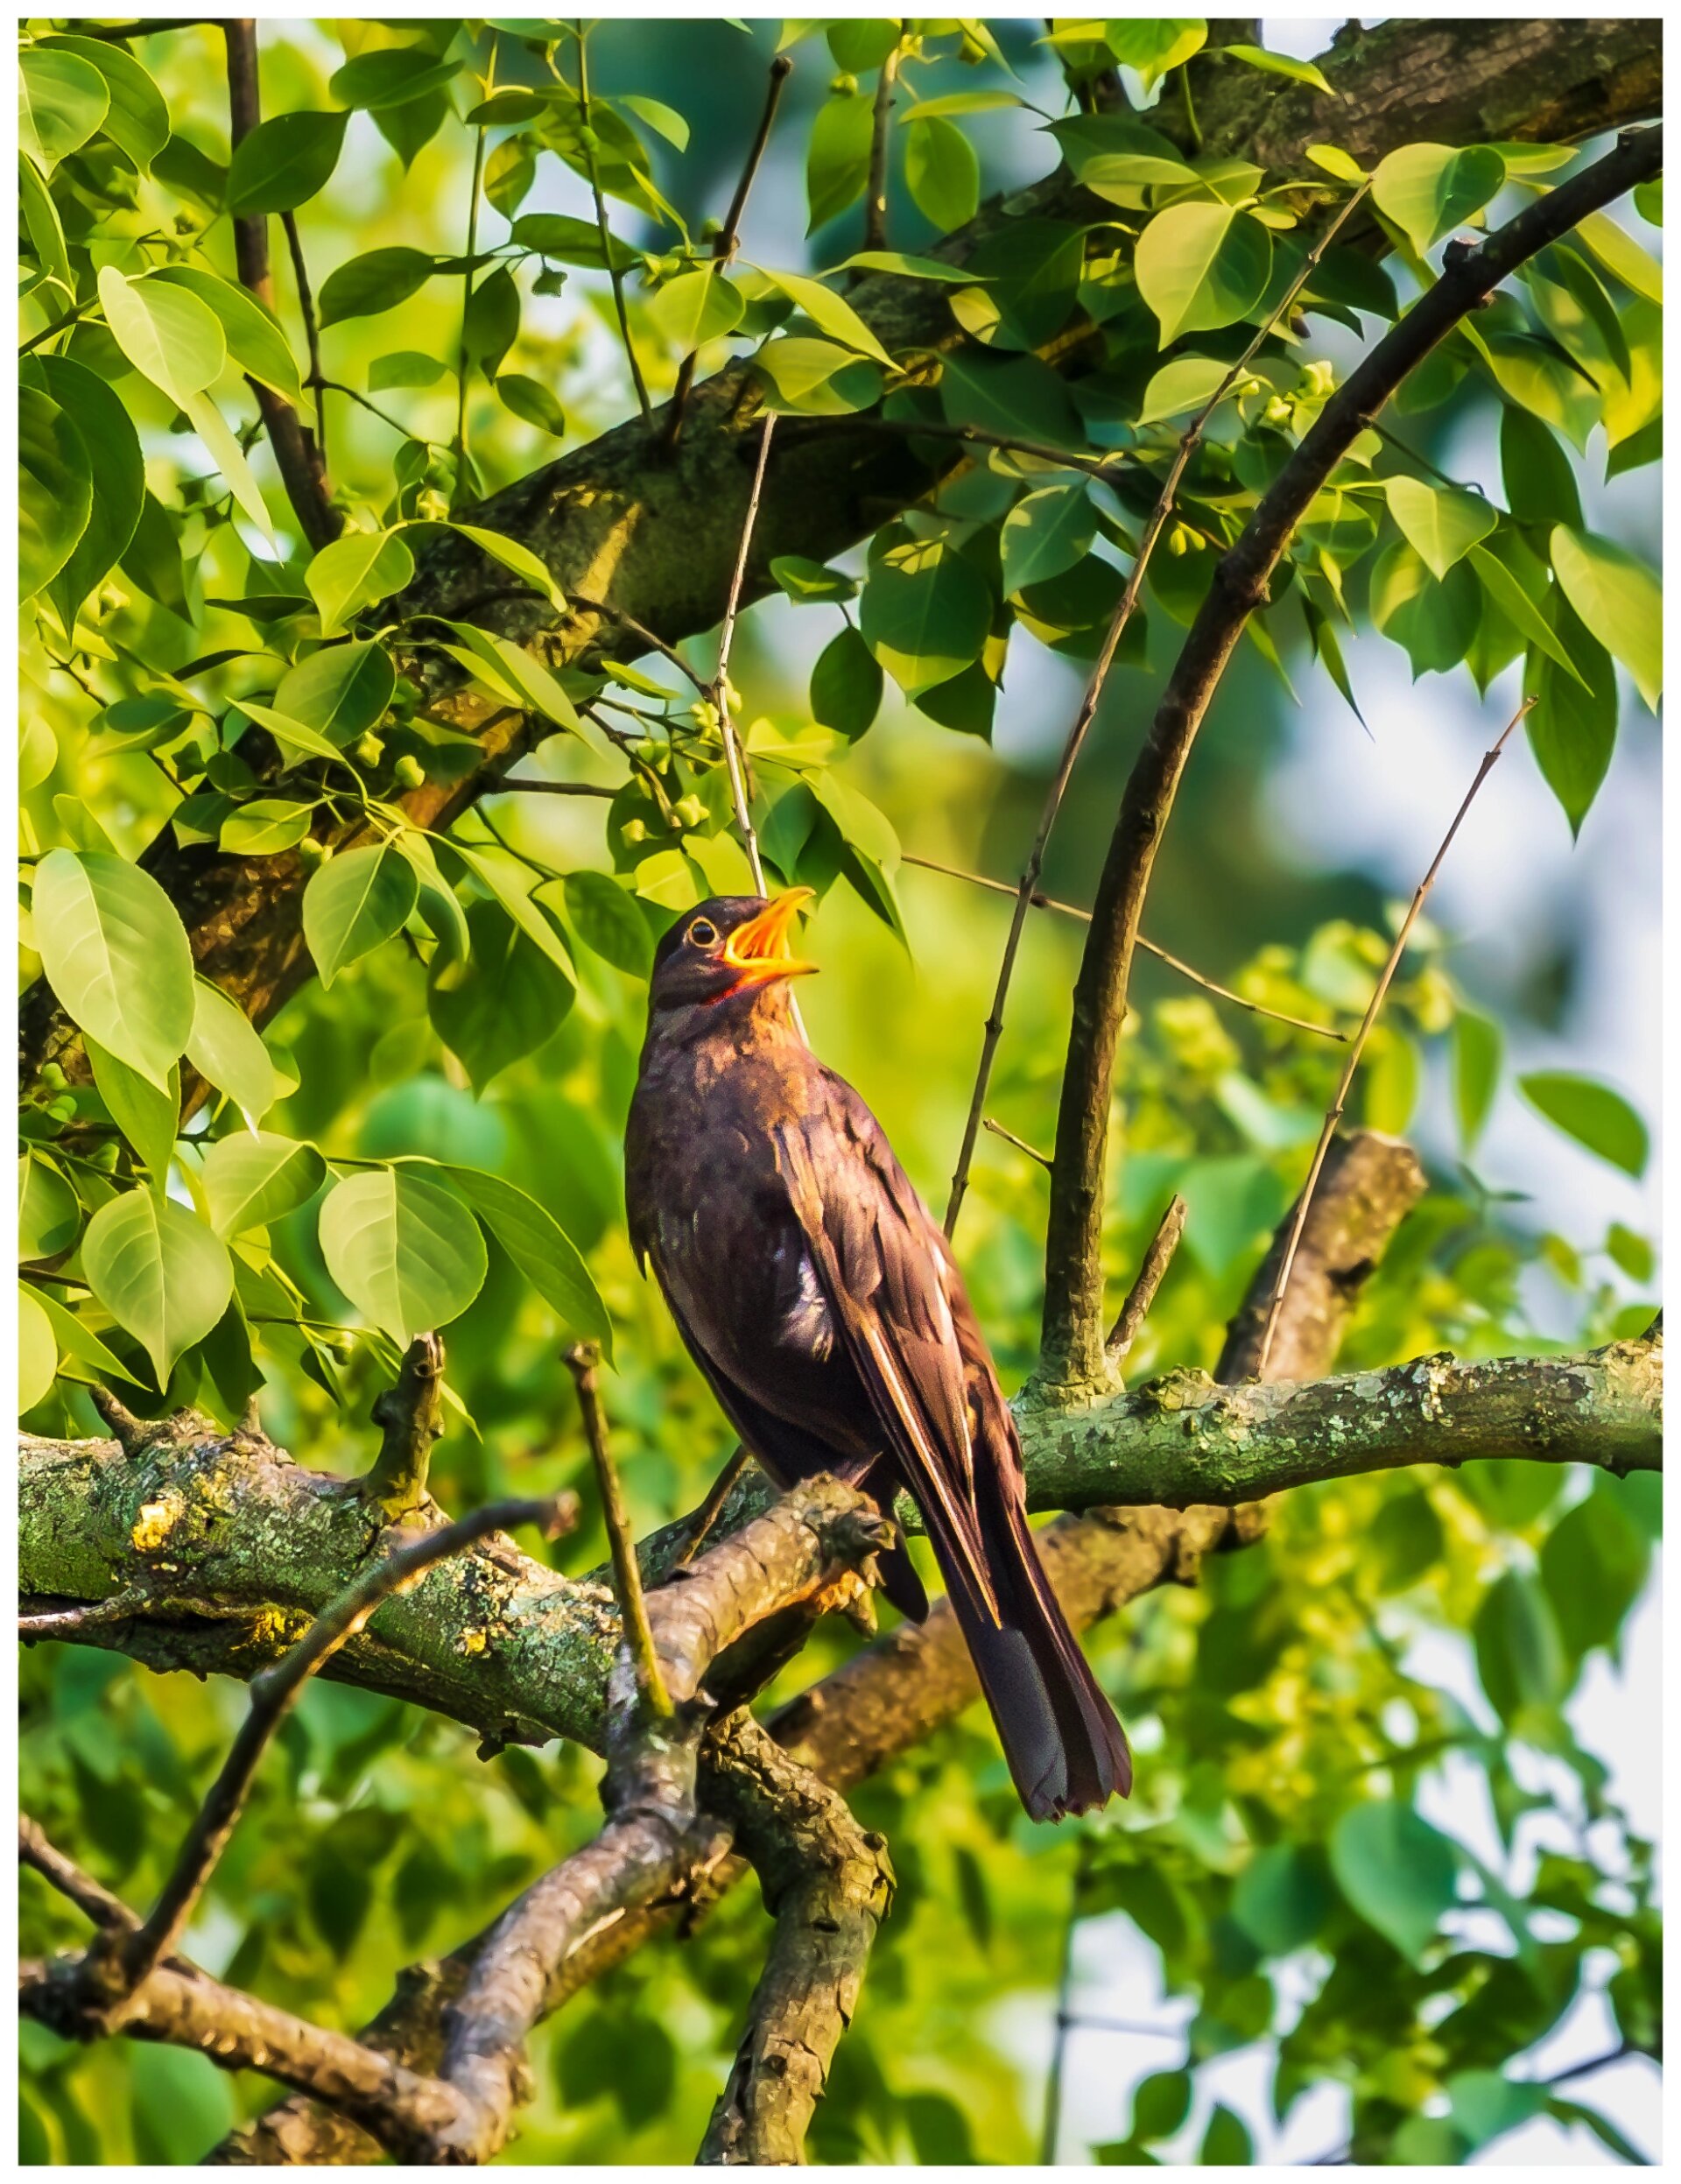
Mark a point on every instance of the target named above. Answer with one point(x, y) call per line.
point(1333, 1113)
point(880, 136)
point(1189, 441)
point(517, 785)
point(728, 239)
point(307, 311)
point(990, 1122)
point(274, 1692)
point(721, 686)
point(614, 275)
point(117, 33)
point(639, 628)
point(94, 1901)
point(1147, 1280)
point(1042, 901)
point(54, 1623)
point(464, 363)
point(981, 436)
point(581, 1362)
point(710, 1510)
point(296, 455)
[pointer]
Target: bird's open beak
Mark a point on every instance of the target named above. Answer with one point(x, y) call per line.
point(758, 950)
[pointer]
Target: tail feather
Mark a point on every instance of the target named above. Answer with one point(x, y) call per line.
point(1068, 1753)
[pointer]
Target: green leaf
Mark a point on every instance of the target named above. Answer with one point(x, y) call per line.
point(115, 953)
point(502, 1005)
point(541, 1250)
point(62, 102)
point(925, 611)
point(166, 332)
point(353, 903)
point(696, 308)
point(1477, 1046)
point(76, 1341)
point(1521, 611)
point(1428, 190)
point(1280, 65)
point(807, 582)
point(531, 399)
point(1150, 46)
point(1117, 157)
point(1440, 523)
point(226, 1050)
point(117, 470)
point(1185, 384)
point(254, 341)
point(405, 1251)
point(518, 679)
point(492, 322)
point(1198, 266)
point(571, 242)
point(1572, 724)
point(55, 490)
point(1591, 1113)
point(391, 76)
point(340, 691)
point(523, 562)
point(181, 2105)
point(300, 742)
point(1533, 375)
point(1225, 2144)
point(906, 264)
point(1520, 1657)
point(374, 282)
point(1397, 1872)
point(1281, 1900)
point(405, 368)
point(837, 159)
point(846, 684)
point(1044, 533)
point(941, 172)
point(526, 912)
point(819, 378)
point(38, 1351)
point(831, 313)
point(1593, 1565)
point(49, 1212)
point(1484, 2105)
point(254, 1178)
point(147, 1117)
point(355, 572)
point(229, 458)
point(1435, 621)
point(43, 231)
point(1622, 257)
point(283, 162)
point(137, 119)
point(1619, 601)
point(1160, 2104)
point(605, 919)
point(159, 1272)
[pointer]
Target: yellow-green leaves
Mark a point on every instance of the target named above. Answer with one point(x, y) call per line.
point(1044, 533)
point(353, 903)
point(831, 313)
point(1428, 190)
point(1440, 523)
point(925, 611)
point(1591, 1113)
point(1399, 1874)
point(253, 1177)
point(404, 1250)
point(696, 308)
point(169, 334)
point(1202, 265)
point(355, 572)
point(117, 955)
point(62, 101)
point(283, 162)
point(159, 1272)
point(1619, 601)
point(55, 490)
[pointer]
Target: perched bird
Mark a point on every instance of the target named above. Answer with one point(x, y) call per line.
point(825, 1309)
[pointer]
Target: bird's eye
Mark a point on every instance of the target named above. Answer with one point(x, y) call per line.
point(703, 933)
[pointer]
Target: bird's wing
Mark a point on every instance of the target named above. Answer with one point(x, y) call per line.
point(890, 1284)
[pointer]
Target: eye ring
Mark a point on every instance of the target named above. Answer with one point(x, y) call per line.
point(702, 933)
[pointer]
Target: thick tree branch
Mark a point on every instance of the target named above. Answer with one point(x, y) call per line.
point(1073, 1347)
point(651, 534)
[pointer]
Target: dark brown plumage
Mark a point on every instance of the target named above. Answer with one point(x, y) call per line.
point(824, 1307)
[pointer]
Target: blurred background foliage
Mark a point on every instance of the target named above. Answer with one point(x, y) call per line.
point(1373, 1841)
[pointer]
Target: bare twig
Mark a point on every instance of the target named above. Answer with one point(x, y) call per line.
point(60, 1622)
point(521, 784)
point(721, 686)
point(94, 1901)
point(119, 33)
point(464, 359)
point(728, 240)
point(1042, 901)
point(296, 455)
point(614, 275)
point(880, 137)
point(1189, 441)
point(991, 1124)
point(655, 644)
point(707, 1516)
point(1071, 1350)
point(412, 1417)
point(1333, 1113)
point(273, 1694)
point(582, 1361)
point(1147, 1281)
point(307, 312)
point(980, 436)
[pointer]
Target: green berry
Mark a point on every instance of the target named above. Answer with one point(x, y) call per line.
point(369, 749)
point(635, 831)
point(843, 87)
point(690, 811)
point(311, 852)
point(53, 1078)
point(408, 773)
point(63, 1109)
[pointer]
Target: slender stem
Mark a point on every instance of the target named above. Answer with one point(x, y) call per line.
point(337, 386)
point(1042, 901)
point(637, 629)
point(307, 312)
point(612, 273)
point(94, 1901)
point(1333, 1113)
point(119, 32)
point(881, 124)
point(516, 785)
point(1189, 441)
point(1148, 1280)
point(274, 1692)
point(464, 366)
point(709, 1512)
point(656, 1702)
point(1052, 2127)
point(59, 326)
point(728, 239)
point(990, 1122)
point(726, 723)
point(981, 436)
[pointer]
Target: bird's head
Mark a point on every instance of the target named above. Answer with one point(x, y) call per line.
point(734, 947)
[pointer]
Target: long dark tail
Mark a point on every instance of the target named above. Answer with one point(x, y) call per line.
point(1067, 1752)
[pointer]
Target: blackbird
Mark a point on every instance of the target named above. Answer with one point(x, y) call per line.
point(825, 1309)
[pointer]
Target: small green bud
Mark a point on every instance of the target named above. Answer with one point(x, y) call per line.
point(53, 1078)
point(690, 811)
point(104, 1156)
point(1277, 411)
point(408, 773)
point(312, 852)
point(1178, 541)
point(588, 141)
point(63, 1109)
point(369, 749)
point(843, 86)
point(431, 506)
point(635, 831)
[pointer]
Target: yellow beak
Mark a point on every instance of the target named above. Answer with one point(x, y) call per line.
point(758, 949)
